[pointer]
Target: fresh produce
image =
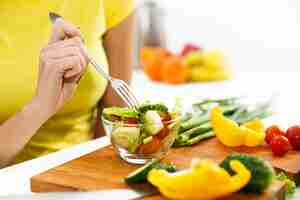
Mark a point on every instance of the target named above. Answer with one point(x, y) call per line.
point(193, 64)
point(231, 134)
point(290, 186)
point(207, 66)
point(188, 48)
point(273, 131)
point(205, 180)
point(140, 174)
point(174, 70)
point(147, 131)
point(293, 134)
point(152, 60)
point(262, 174)
point(280, 145)
point(196, 126)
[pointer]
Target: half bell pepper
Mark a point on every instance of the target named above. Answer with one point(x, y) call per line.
point(204, 181)
point(231, 134)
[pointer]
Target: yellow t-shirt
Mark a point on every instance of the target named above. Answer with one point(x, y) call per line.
point(24, 29)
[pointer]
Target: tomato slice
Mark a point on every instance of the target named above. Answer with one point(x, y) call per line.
point(131, 121)
point(151, 147)
point(163, 133)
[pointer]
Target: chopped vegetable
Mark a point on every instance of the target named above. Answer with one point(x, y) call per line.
point(290, 186)
point(231, 134)
point(262, 174)
point(153, 122)
point(140, 174)
point(196, 126)
point(120, 112)
point(134, 131)
point(126, 137)
point(161, 108)
point(205, 180)
point(150, 147)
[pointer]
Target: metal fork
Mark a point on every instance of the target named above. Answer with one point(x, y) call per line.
point(121, 87)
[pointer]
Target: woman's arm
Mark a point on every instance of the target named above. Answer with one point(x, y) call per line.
point(62, 63)
point(118, 46)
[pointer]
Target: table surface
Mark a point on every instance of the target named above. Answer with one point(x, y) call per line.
point(15, 179)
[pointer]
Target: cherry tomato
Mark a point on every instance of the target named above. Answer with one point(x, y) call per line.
point(131, 121)
point(151, 147)
point(163, 133)
point(280, 145)
point(293, 134)
point(273, 131)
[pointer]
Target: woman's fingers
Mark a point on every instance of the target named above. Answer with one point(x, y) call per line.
point(73, 42)
point(62, 29)
point(66, 52)
point(69, 66)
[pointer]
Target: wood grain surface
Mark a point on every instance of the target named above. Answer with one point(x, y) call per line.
point(103, 169)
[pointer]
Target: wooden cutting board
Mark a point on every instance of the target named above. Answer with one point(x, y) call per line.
point(102, 169)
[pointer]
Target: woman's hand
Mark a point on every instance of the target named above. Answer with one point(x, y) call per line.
point(62, 64)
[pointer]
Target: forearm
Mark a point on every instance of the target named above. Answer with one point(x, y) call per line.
point(18, 130)
point(118, 46)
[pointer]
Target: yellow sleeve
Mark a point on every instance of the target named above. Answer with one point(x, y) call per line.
point(116, 11)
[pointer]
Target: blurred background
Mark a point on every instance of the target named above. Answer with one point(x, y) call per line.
point(253, 36)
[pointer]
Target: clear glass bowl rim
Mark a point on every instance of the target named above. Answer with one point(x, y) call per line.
point(135, 125)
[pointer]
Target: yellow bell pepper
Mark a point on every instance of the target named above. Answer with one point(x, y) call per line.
point(231, 134)
point(204, 181)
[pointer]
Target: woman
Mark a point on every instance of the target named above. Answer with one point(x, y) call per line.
point(49, 94)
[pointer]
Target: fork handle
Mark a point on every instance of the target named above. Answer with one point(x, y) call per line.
point(100, 69)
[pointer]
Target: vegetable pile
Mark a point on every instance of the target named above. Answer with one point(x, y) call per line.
point(192, 64)
point(145, 131)
point(196, 126)
point(237, 173)
point(281, 142)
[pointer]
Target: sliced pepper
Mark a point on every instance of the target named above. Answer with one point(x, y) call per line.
point(205, 180)
point(231, 134)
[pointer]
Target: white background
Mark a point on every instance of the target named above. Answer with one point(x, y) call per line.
point(255, 35)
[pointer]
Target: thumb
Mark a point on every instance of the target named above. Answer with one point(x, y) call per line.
point(62, 29)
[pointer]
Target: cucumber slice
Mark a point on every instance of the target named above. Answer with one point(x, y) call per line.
point(141, 173)
point(126, 137)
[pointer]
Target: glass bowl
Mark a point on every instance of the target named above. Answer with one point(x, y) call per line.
point(122, 134)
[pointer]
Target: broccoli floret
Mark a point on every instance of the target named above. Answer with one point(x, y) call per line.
point(262, 173)
point(290, 184)
point(160, 108)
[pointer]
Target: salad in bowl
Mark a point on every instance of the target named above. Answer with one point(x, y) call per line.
point(142, 134)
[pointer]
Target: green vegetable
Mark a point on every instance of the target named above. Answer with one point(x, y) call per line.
point(262, 174)
point(169, 168)
point(152, 122)
point(120, 112)
point(140, 174)
point(126, 137)
point(290, 185)
point(161, 108)
point(196, 127)
point(148, 140)
point(204, 118)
